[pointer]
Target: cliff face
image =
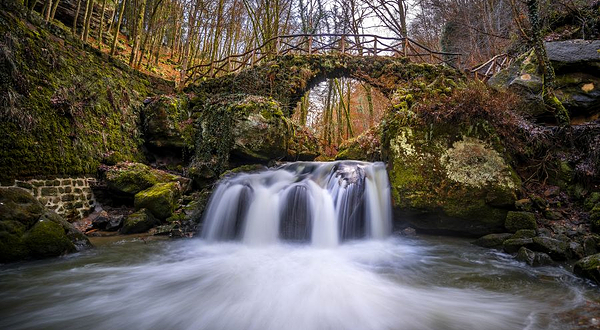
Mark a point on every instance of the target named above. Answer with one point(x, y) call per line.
point(65, 107)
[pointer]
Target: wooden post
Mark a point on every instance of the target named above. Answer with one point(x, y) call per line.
point(253, 57)
point(375, 46)
point(310, 40)
point(343, 41)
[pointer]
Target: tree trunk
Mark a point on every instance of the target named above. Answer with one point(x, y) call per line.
point(88, 21)
point(548, 76)
point(120, 20)
point(100, 29)
point(74, 30)
point(54, 8)
point(139, 26)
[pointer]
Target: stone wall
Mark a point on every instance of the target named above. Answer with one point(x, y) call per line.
point(72, 198)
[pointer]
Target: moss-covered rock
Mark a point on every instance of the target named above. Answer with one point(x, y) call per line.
point(533, 258)
point(302, 145)
point(139, 222)
point(524, 233)
point(453, 174)
point(131, 178)
point(168, 123)
point(589, 267)
point(28, 230)
point(47, 239)
point(557, 249)
point(366, 147)
point(18, 205)
point(492, 240)
point(516, 221)
point(513, 245)
point(595, 218)
point(160, 199)
point(592, 200)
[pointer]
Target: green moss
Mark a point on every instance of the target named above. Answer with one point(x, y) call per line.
point(159, 199)
point(12, 247)
point(71, 107)
point(592, 200)
point(139, 222)
point(131, 178)
point(520, 220)
point(47, 239)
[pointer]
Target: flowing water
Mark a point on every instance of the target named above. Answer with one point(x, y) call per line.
point(303, 247)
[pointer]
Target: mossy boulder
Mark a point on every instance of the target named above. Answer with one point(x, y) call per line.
point(259, 130)
point(18, 205)
point(168, 123)
point(131, 178)
point(160, 199)
point(557, 249)
point(366, 147)
point(139, 222)
point(455, 179)
point(589, 267)
point(592, 200)
point(47, 239)
point(516, 221)
point(492, 240)
point(302, 145)
point(533, 258)
point(595, 218)
point(28, 230)
point(513, 245)
point(577, 64)
point(524, 233)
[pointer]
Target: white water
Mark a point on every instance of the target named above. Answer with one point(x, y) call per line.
point(323, 203)
point(244, 275)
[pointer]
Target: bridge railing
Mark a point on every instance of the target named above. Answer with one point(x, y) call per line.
point(326, 43)
point(486, 70)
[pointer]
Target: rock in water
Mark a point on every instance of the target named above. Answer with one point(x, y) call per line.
point(28, 230)
point(589, 267)
point(139, 222)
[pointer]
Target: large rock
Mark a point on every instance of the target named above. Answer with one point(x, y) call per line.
point(139, 222)
point(533, 258)
point(589, 267)
point(27, 230)
point(557, 249)
point(19, 205)
point(444, 180)
point(259, 130)
point(492, 240)
point(577, 66)
point(131, 178)
point(160, 199)
point(167, 123)
point(366, 146)
point(516, 221)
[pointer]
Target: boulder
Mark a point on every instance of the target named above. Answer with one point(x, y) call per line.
point(28, 230)
point(589, 267)
point(492, 240)
point(555, 248)
point(595, 218)
point(259, 130)
point(366, 147)
point(131, 178)
point(139, 222)
point(167, 123)
point(47, 239)
point(160, 199)
point(533, 258)
point(577, 66)
point(520, 220)
point(524, 233)
point(302, 145)
point(444, 179)
point(592, 200)
point(513, 245)
point(19, 205)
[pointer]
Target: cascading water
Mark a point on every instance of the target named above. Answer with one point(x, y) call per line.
point(322, 203)
point(243, 274)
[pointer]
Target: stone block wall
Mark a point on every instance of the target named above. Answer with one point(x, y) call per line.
point(72, 198)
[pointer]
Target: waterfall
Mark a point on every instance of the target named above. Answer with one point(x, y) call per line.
point(319, 203)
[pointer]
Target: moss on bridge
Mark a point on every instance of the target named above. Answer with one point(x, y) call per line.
point(287, 78)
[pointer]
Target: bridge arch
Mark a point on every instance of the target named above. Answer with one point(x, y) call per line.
point(287, 78)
